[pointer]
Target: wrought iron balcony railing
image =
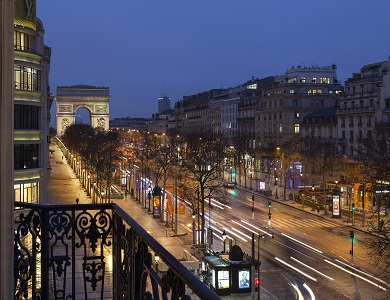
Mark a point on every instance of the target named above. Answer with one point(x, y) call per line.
point(93, 251)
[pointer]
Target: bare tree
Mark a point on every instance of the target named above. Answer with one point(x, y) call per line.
point(203, 160)
point(322, 153)
point(375, 156)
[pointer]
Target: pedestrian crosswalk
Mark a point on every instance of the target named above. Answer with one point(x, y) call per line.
point(303, 223)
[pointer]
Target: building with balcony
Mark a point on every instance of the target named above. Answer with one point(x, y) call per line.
point(365, 102)
point(192, 114)
point(297, 93)
point(251, 96)
point(32, 102)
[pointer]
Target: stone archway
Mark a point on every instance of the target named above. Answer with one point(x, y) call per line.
point(70, 98)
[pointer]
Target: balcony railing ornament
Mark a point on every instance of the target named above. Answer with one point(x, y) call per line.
point(93, 251)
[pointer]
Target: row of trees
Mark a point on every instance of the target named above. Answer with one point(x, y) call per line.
point(98, 150)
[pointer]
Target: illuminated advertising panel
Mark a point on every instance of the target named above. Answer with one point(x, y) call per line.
point(243, 279)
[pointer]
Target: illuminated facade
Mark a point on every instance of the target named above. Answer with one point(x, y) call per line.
point(32, 102)
point(294, 95)
point(366, 101)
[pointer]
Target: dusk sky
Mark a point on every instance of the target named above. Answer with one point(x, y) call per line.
point(141, 49)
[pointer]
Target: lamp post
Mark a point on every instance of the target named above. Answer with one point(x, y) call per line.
point(149, 196)
point(193, 228)
point(156, 259)
point(302, 195)
point(276, 188)
point(259, 263)
point(224, 240)
point(250, 183)
point(312, 197)
point(89, 185)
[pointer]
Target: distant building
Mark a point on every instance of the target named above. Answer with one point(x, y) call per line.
point(140, 124)
point(159, 122)
point(164, 103)
point(193, 113)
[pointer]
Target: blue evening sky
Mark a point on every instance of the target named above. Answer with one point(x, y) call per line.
point(143, 48)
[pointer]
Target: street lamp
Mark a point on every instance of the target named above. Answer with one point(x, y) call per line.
point(193, 228)
point(312, 197)
point(250, 183)
point(258, 259)
point(89, 185)
point(156, 259)
point(149, 196)
point(224, 235)
point(276, 188)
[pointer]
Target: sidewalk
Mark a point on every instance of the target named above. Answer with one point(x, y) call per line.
point(64, 188)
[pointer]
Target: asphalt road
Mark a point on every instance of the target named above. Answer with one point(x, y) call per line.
point(309, 254)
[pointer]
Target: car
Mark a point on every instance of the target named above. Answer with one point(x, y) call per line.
point(230, 185)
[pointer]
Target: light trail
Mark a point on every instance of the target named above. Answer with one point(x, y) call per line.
point(263, 231)
point(295, 268)
point(310, 291)
point(311, 268)
point(214, 204)
point(293, 249)
point(296, 288)
point(302, 243)
point(357, 270)
point(234, 234)
point(358, 276)
point(240, 232)
point(219, 203)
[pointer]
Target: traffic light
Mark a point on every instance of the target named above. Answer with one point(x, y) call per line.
point(353, 206)
point(257, 284)
point(269, 204)
point(352, 234)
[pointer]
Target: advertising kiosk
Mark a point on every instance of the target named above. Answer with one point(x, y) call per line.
point(156, 202)
point(220, 274)
point(229, 275)
point(240, 271)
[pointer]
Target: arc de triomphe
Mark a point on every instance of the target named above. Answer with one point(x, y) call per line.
point(70, 98)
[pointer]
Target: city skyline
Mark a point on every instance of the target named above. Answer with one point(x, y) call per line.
point(142, 50)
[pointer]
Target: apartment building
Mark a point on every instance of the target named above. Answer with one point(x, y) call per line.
point(32, 102)
point(251, 96)
point(297, 93)
point(366, 101)
point(192, 113)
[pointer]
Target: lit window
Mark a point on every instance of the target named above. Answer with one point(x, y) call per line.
point(319, 91)
point(252, 86)
point(280, 127)
point(296, 128)
point(297, 114)
point(303, 79)
point(291, 91)
point(314, 80)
